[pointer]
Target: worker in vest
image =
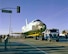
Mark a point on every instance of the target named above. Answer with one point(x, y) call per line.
point(6, 41)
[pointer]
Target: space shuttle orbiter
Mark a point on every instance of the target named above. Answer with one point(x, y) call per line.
point(34, 28)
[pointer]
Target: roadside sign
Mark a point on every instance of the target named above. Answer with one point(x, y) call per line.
point(6, 11)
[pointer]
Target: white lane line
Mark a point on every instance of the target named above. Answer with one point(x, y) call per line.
point(37, 48)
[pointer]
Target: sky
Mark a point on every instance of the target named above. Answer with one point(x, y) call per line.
point(54, 13)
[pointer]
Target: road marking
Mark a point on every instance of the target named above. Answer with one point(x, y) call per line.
point(37, 48)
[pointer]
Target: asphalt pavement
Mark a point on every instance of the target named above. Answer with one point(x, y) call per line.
point(32, 46)
point(19, 48)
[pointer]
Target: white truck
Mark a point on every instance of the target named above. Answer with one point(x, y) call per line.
point(51, 34)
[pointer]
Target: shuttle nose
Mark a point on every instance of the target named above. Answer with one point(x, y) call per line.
point(44, 26)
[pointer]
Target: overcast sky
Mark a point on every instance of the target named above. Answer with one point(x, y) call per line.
point(54, 13)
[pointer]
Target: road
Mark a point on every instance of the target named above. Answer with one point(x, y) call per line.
point(32, 46)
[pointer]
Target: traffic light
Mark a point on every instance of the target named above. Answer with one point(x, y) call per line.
point(18, 9)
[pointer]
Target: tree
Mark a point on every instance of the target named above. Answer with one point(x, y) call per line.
point(64, 32)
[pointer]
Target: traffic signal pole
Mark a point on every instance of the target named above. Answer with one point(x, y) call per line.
point(9, 11)
point(10, 25)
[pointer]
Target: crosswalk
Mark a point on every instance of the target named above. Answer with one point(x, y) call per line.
point(19, 48)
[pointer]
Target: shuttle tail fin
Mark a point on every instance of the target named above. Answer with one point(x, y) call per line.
point(26, 22)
